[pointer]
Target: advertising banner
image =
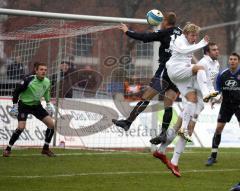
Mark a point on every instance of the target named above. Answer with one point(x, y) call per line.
point(88, 124)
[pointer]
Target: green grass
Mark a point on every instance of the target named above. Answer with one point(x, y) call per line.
point(71, 170)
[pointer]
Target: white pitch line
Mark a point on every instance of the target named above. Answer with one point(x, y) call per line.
point(82, 154)
point(119, 153)
point(68, 154)
point(117, 173)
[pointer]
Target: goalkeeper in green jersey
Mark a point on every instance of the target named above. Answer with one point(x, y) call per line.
point(27, 100)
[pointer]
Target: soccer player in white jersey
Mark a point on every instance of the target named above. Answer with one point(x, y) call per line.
point(211, 65)
point(181, 72)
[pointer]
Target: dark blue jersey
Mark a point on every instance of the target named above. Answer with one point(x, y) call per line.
point(163, 36)
point(229, 84)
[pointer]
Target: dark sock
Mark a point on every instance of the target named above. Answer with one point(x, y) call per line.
point(14, 137)
point(215, 143)
point(9, 148)
point(140, 107)
point(167, 117)
point(48, 137)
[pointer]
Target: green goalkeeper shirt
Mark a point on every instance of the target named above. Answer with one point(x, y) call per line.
point(31, 90)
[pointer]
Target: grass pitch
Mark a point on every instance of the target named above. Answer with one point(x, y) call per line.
point(27, 170)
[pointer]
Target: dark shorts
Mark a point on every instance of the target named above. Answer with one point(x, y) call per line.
point(161, 82)
point(23, 110)
point(226, 112)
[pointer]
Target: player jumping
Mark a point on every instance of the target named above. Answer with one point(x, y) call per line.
point(160, 83)
point(211, 66)
point(182, 73)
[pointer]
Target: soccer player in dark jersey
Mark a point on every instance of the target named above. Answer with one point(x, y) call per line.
point(160, 83)
point(228, 83)
point(27, 100)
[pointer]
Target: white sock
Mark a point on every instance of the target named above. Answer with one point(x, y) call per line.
point(188, 112)
point(199, 108)
point(171, 134)
point(179, 148)
point(202, 82)
point(162, 148)
point(181, 115)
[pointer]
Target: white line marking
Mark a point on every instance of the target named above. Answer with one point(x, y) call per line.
point(122, 152)
point(118, 173)
point(80, 154)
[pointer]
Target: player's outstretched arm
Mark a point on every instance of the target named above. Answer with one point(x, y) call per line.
point(145, 37)
point(123, 27)
point(185, 49)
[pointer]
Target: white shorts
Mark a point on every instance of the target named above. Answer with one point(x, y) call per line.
point(182, 77)
point(179, 72)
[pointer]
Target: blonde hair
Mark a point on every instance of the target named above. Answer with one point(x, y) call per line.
point(191, 28)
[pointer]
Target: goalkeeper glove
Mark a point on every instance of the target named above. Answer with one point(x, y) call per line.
point(50, 109)
point(14, 110)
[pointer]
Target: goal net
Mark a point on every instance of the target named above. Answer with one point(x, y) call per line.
point(97, 74)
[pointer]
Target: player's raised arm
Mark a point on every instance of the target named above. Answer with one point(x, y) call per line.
point(181, 47)
point(169, 22)
point(123, 27)
point(160, 83)
point(143, 36)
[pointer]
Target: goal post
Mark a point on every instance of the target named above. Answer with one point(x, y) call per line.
point(97, 74)
point(50, 15)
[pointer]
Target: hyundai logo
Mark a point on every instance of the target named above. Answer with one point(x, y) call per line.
point(231, 83)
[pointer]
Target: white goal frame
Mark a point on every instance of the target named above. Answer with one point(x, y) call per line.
point(51, 15)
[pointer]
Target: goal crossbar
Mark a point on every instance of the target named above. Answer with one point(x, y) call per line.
point(17, 12)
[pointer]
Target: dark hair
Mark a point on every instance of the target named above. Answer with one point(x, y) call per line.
point(207, 48)
point(235, 54)
point(171, 18)
point(37, 64)
point(66, 62)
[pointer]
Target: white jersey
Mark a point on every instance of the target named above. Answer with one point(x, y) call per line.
point(179, 66)
point(211, 68)
point(182, 51)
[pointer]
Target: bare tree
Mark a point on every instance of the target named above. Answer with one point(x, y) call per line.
point(128, 8)
point(228, 11)
point(185, 9)
point(207, 12)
